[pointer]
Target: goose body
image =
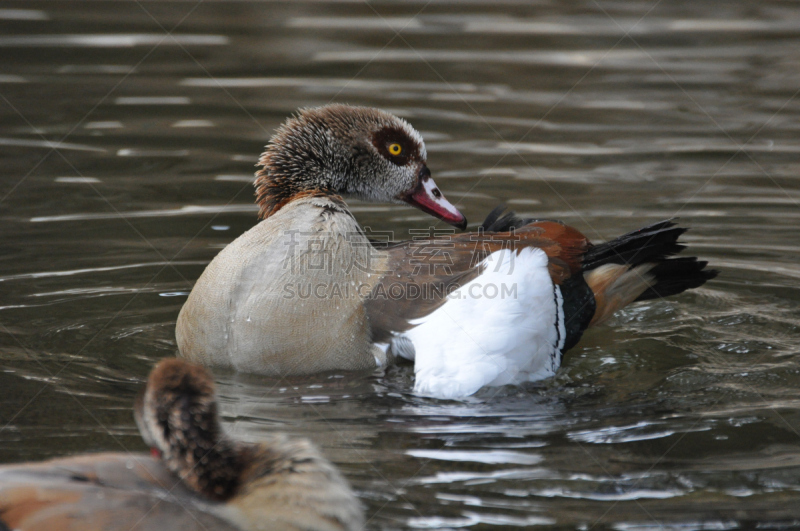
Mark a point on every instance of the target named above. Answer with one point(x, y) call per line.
point(264, 305)
point(195, 479)
point(305, 290)
point(110, 491)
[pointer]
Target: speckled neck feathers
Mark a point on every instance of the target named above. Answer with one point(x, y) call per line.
point(177, 416)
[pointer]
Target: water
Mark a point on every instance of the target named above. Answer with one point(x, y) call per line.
point(678, 414)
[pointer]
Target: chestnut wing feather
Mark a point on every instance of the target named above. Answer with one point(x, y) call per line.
point(422, 272)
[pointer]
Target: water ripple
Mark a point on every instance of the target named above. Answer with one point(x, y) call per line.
point(111, 41)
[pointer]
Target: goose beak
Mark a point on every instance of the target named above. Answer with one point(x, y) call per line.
point(427, 197)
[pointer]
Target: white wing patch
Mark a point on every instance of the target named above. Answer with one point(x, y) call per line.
point(504, 327)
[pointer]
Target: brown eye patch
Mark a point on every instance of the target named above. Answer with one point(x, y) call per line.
point(395, 145)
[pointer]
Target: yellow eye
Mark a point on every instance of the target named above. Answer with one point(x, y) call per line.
point(395, 149)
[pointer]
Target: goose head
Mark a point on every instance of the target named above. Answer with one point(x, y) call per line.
point(353, 151)
point(177, 417)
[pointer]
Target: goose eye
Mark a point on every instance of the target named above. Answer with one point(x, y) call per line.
point(395, 149)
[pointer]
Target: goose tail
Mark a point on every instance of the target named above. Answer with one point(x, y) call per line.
point(640, 265)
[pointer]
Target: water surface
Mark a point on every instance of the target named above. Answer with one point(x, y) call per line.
point(128, 138)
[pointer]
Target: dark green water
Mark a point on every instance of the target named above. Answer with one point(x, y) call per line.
point(678, 414)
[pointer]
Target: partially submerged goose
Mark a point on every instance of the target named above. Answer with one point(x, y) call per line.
point(196, 478)
point(305, 290)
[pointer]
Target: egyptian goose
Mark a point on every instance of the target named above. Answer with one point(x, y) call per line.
point(195, 479)
point(305, 290)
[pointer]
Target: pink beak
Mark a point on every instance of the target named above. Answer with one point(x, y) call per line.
point(427, 197)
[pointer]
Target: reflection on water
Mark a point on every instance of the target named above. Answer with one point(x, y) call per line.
point(128, 155)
